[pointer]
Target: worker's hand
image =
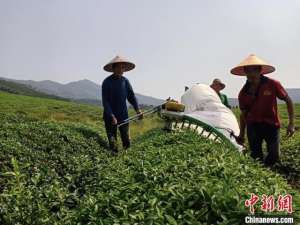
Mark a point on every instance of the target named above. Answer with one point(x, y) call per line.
point(140, 114)
point(290, 130)
point(240, 139)
point(114, 120)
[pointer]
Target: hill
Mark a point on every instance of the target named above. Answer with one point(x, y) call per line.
point(233, 101)
point(64, 111)
point(55, 168)
point(294, 93)
point(82, 90)
point(21, 89)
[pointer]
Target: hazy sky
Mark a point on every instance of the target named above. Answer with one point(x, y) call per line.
point(173, 42)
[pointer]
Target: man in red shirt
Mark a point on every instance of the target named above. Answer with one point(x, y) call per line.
point(258, 105)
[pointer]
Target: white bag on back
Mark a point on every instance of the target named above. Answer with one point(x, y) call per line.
point(202, 103)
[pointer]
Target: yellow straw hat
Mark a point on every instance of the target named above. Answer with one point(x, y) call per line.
point(252, 60)
point(119, 59)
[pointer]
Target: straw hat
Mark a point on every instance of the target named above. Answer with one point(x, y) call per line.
point(252, 60)
point(218, 81)
point(119, 59)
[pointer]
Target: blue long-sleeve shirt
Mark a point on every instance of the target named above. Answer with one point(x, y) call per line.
point(115, 92)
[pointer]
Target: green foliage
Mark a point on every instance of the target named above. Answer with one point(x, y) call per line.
point(66, 112)
point(58, 171)
point(22, 89)
point(50, 109)
point(290, 147)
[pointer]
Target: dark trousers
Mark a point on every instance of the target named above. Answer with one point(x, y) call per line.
point(259, 132)
point(112, 130)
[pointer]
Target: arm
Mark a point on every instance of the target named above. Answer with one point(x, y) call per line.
point(105, 100)
point(290, 109)
point(283, 95)
point(241, 137)
point(132, 98)
point(243, 109)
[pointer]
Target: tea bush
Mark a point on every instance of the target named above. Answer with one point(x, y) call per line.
point(56, 173)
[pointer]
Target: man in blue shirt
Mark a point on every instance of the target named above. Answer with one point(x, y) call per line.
point(116, 89)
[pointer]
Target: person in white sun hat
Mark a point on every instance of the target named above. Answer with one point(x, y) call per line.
point(258, 105)
point(116, 89)
point(218, 86)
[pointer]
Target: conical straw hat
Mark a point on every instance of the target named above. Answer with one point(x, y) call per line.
point(119, 59)
point(252, 60)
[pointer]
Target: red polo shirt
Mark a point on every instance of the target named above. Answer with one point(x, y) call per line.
point(262, 107)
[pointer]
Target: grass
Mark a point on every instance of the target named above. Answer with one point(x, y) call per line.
point(22, 89)
point(290, 147)
point(65, 112)
point(55, 169)
point(63, 174)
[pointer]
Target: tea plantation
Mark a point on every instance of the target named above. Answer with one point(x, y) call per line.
point(55, 169)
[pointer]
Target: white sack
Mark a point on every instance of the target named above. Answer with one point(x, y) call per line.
point(202, 103)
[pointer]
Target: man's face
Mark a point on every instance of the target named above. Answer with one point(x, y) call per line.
point(118, 68)
point(217, 87)
point(253, 73)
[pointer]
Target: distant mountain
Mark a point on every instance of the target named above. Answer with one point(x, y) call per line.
point(89, 92)
point(22, 89)
point(294, 93)
point(82, 90)
point(233, 101)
